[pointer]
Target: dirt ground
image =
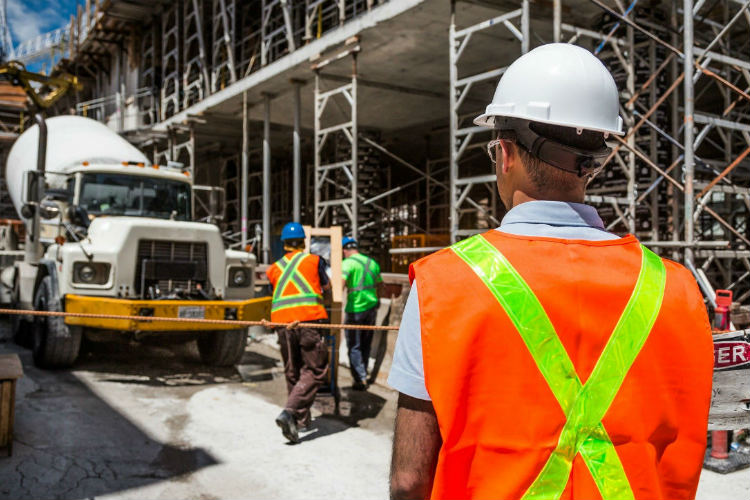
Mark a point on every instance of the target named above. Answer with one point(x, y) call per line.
point(134, 421)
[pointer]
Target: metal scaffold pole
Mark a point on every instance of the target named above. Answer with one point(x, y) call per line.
point(266, 178)
point(556, 20)
point(453, 139)
point(296, 173)
point(689, 105)
point(525, 27)
point(245, 168)
point(316, 153)
point(355, 152)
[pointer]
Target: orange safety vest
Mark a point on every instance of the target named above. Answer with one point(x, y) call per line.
point(501, 420)
point(297, 294)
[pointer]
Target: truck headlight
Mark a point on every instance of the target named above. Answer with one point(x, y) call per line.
point(91, 273)
point(239, 277)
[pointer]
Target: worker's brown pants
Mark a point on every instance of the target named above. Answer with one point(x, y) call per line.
point(305, 366)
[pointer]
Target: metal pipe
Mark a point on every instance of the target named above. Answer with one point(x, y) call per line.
point(296, 168)
point(689, 105)
point(355, 152)
point(33, 247)
point(525, 27)
point(453, 116)
point(557, 20)
point(266, 178)
point(632, 186)
point(316, 145)
point(244, 174)
point(674, 105)
point(400, 251)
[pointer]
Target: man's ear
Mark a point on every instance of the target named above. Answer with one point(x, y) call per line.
point(509, 155)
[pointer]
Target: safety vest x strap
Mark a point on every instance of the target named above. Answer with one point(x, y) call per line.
point(365, 263)
point(290, 273)
point(584, 405)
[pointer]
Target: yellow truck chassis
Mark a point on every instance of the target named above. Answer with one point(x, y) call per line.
point(244, 310)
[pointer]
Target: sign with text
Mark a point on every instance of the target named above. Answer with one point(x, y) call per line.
point(731, 354)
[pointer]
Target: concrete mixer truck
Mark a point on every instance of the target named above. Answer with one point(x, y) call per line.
point(116, 236)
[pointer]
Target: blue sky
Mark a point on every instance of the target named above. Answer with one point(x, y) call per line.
point(30, 18)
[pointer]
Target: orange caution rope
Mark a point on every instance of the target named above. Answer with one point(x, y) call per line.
point(263, 322)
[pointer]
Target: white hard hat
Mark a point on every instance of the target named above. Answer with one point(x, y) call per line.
point(557, 84)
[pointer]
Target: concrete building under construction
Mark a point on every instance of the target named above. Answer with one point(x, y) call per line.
point(358, 113)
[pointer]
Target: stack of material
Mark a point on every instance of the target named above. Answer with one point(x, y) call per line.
point(740, 315)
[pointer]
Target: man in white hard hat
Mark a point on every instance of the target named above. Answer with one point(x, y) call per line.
point(549, 358)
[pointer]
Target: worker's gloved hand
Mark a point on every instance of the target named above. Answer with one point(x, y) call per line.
point(292, 325)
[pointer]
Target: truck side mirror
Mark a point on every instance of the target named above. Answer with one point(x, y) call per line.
point(49, 209)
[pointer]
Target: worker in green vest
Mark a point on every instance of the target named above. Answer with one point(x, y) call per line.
point(363, 282)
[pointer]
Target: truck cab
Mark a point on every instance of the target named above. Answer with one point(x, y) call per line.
point(118, 239)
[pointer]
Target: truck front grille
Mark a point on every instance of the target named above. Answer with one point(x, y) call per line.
point(170, 265)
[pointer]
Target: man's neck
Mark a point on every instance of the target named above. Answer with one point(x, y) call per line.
point(568, 197)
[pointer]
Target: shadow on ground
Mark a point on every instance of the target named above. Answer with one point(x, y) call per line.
point(69, 443)
point(353, 407)
point(153, 365)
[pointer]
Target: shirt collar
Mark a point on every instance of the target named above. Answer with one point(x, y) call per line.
point(553, 213)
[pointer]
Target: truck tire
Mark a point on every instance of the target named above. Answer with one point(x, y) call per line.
point(56, 344)
point(222, 347)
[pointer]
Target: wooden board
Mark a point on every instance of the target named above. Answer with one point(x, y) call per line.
point(333, 233)
point(7, 411)
point(730, 399)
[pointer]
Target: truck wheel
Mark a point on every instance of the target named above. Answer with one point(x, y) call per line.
point(222, 347)
point(56, 344)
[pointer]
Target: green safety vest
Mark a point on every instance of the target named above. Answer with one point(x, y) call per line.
point(362, 294)
point(584, 405)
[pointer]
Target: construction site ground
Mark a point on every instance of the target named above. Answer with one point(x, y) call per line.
point(136, 421)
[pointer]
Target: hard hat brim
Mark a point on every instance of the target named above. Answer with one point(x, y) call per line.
point(488, 120)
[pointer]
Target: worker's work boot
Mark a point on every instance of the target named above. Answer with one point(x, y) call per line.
point(288, 426)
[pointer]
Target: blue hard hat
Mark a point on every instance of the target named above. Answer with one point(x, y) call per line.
point(293, 231)
point(347, 241)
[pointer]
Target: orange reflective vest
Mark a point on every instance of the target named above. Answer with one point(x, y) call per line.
point(577, 369)
point(297, 294)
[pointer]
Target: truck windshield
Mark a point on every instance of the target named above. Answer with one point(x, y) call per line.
point(135, 195)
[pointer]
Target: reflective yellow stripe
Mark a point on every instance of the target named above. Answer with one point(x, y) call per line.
point(584, 405)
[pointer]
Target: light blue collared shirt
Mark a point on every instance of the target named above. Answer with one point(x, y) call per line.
point(552, 219)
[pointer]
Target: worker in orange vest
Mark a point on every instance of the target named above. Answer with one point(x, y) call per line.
point(299, 280)
point(551, 359)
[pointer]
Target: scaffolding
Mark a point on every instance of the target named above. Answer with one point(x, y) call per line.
point(679, 178)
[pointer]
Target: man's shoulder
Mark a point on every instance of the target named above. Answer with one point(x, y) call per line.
point(678, 272)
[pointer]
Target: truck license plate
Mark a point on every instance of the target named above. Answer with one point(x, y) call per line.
point(191, 312)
